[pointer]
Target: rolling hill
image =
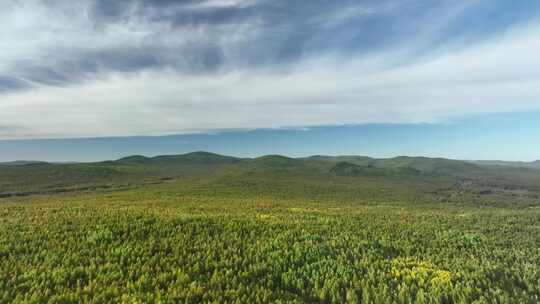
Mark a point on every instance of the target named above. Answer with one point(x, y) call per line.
point(510, 164)
point(438, 178)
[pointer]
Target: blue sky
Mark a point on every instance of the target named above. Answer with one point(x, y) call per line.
point(502, 136)
point(122, 70)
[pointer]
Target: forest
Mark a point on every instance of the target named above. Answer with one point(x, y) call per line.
point(205, 228)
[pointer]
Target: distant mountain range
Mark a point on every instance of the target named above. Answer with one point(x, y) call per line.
point(423, 163)
point(34, 177)
point(515, 164)
point(21, 163)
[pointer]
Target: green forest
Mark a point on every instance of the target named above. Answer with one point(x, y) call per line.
point(205, 228)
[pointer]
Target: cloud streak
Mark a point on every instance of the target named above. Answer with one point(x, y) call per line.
point(165, 67)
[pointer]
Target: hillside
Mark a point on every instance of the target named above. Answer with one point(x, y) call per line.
point(194, 158)
point(21, 163)
point(510, 164)
point(433, 178)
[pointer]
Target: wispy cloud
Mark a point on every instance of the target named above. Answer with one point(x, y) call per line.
point(95, 68)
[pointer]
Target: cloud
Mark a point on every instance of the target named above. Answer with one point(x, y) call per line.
point(59, 42)
point(8, 84)
point(98, 68)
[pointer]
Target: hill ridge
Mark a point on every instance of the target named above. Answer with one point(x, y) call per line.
point(202, 153)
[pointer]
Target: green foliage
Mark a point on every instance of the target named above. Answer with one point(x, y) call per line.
point(423, 178)
point(266, 238)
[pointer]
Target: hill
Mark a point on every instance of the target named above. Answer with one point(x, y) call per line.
point(349, 169)
point(21, 163)
point(511, 164)
point(193, 158)
point(426, 165)
point(437, 178)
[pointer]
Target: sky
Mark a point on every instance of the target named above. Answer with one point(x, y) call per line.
point(487, 137)
point(98, 79)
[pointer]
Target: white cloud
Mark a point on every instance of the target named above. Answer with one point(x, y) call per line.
point(202, 5)
point(500, 75)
